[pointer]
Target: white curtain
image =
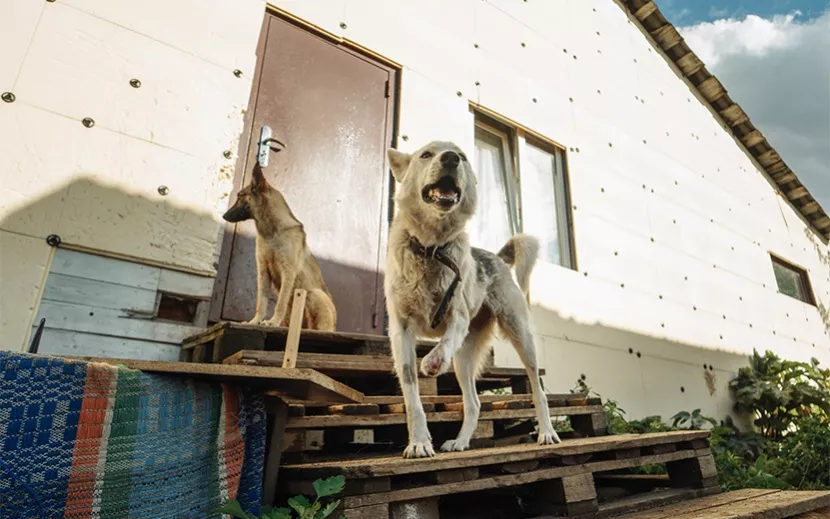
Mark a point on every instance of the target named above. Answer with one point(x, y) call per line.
point(539, 206)
point(490, 228)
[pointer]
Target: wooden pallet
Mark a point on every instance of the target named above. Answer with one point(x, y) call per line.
point(222, 340)
point(740, 504)
point(378, 424)
point(562, 474)
point(374, 374)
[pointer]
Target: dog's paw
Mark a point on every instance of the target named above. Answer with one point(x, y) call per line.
point(436, 362)
point(548, 437)
point(419, 450)
point(457, 444)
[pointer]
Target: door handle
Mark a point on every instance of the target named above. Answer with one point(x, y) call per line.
point(264, 146)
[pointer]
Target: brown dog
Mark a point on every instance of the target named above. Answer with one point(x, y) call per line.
point(283, 259)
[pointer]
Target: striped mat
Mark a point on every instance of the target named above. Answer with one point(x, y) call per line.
point(86, 440)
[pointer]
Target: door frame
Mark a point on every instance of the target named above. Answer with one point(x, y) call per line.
point(225, 248)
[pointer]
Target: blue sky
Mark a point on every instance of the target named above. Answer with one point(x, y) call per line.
point(773, 57)
point(687, 12)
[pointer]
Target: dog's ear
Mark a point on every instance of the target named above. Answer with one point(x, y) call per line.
point(399, 162)
point(258, 182)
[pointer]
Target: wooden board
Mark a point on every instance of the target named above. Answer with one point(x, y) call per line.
point(348, 364)
point(338, 420)
point(296, 382)
point(395, 465)
point(747, 503)
point(344, 341)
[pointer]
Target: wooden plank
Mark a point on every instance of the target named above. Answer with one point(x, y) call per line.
point(647, 501)
point(368, 512)
point(671, 511)
point(100, 268)
point(395, 465)
point(275, 448)
point(441, 416)
point(184, 284)
point(341, 341)
point(106, 321)
point(501, 481)
point(292, 342)
point(568, 399)
point(70, 289)
point(61, 342)
point(354, 409)
point(822, 513)
point(769, 506)
point(297, 382)
point(346, 363)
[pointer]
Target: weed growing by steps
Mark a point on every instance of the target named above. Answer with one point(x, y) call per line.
point(790, 446)
point(300, 505)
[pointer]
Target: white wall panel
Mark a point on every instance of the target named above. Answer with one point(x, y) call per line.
point(17, 26)
point(24, 262)
point(232, 27)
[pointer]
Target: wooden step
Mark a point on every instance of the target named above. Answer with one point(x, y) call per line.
point(567, 469)
point(743, 504)
point(305, 384)
point(375, 373)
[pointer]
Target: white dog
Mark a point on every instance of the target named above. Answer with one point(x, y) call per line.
point(438, 286)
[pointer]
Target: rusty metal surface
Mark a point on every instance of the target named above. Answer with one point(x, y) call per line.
point(330, 108)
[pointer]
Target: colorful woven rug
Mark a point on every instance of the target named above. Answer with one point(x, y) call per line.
point(85, 440)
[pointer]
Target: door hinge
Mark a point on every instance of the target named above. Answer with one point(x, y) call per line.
point(374, 319)
point(386, 90)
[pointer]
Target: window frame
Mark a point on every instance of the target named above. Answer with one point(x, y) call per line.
point(515, 137)
point(803, 277)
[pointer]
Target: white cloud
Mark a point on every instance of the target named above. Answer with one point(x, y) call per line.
point(778, 70)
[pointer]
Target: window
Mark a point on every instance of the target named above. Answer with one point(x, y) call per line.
point(792, 281)
point(522, 187)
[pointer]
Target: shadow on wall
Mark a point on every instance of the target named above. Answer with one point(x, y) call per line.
point(647, 375)
point(88, 214)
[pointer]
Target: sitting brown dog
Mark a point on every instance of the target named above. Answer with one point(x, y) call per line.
point(283, 259)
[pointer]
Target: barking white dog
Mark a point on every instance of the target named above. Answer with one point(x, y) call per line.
point(438, 286)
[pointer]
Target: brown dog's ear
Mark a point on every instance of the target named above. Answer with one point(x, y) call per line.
point(258, 182)
point(399, 162)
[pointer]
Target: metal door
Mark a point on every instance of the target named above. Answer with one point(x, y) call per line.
point(333, 110)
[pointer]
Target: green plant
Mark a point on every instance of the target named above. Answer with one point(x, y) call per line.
point(805, 454)
point(695, 420)
point(735, 473)
point(304, 508)
point(777, 392)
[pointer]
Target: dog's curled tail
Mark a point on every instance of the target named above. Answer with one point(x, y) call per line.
point(520, 252)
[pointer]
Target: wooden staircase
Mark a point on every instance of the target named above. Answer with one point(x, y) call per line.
point(505, 474)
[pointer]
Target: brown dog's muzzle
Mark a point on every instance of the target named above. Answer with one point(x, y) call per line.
point(237, 213)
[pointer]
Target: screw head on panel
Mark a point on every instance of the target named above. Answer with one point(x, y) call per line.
point(53, 240)
point(343, 25)
point(8, 97)
point(89, 122)
point(237, 73)
point(227, 154)
point(164, 190)
point(135, 83)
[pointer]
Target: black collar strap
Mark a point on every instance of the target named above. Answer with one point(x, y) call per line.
point(439, 253)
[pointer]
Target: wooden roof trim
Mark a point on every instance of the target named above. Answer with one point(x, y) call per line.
point(652, 21)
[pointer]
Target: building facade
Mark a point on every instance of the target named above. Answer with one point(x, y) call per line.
point(674, 238)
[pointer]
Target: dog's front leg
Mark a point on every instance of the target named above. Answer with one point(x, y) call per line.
point(263, 286)
point(439, 360)
point(403, 352)
point(283, 298)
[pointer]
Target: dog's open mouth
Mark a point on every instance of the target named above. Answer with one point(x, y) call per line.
point(445, 192)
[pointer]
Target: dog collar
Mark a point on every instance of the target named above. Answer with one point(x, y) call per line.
point(438, 252)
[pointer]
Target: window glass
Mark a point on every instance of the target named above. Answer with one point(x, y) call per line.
point(492, 225)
